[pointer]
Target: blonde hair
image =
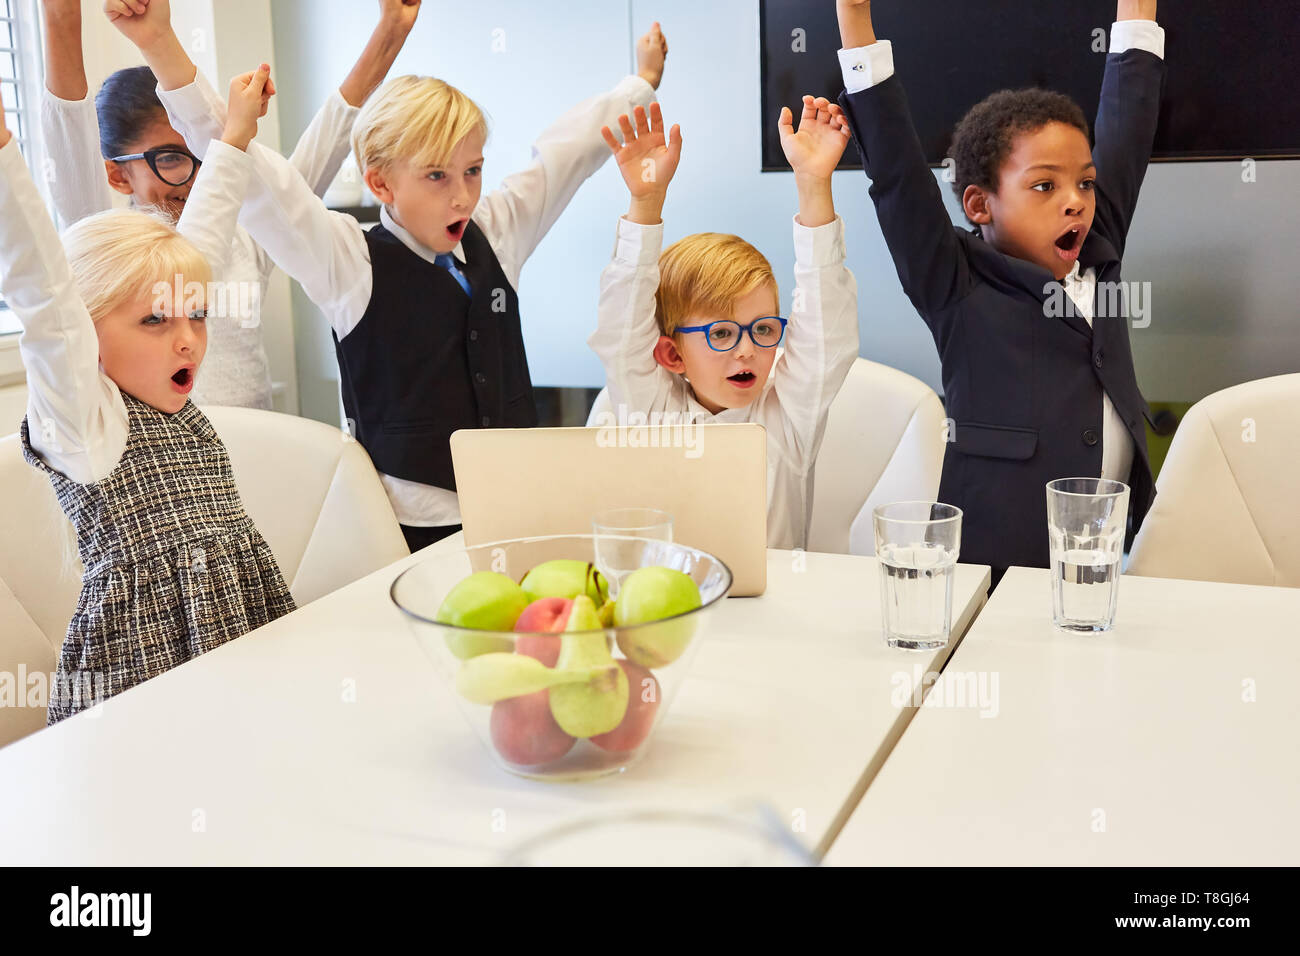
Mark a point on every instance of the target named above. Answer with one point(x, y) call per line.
point(417, 119)
point(705, 274)
point(121, 254)
point(117, 256)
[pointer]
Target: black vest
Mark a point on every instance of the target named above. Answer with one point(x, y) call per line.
point(426, 359)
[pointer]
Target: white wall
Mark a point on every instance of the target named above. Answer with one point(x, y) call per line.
point(1218, 252)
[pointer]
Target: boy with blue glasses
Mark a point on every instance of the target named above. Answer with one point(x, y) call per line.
point(691, 335)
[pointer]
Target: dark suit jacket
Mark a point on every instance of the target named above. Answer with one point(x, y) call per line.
point(1024, 389)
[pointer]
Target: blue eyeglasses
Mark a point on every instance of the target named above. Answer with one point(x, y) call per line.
point(724, 334)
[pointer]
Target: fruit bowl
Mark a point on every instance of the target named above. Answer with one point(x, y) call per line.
point(552, 687)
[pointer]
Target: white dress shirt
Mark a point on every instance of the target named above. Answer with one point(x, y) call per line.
point(75, 414)
point(235, 368)
point(821, 345)
point(866, 66)
point(326, 251)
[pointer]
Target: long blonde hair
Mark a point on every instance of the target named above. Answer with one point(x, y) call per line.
point(116, 256)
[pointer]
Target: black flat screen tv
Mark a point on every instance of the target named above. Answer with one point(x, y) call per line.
point(1230, 86)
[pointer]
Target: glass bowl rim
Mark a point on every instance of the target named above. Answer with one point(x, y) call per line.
point(1123, 488)
point(729, 580)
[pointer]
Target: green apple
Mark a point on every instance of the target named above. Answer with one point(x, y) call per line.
point(484, 601)
point(566, 578)
point(598, 705)
point(653, 594)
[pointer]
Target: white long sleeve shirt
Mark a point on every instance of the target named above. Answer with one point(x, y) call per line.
point(821, 345)
point(236, 370)
point(866, 66)
point(326, 251)
point(75, 414)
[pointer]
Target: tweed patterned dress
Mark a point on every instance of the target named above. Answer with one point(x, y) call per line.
point(174, 565)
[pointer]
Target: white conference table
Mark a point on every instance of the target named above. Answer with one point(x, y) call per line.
point(1141, 746)
point(251, 755)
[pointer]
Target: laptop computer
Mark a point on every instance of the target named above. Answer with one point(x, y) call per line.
point(521, 482)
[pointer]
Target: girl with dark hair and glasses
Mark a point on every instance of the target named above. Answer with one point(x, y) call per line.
point(122, 142)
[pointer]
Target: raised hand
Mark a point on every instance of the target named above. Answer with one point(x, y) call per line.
point(1135, 9)
point(646, 158)
point(143, 22)
point(250, 93)
point(651, 51)
point(399, 14)
point(855, 23)
point(815, 149)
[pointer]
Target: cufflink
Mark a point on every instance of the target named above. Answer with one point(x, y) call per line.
point(859, 67)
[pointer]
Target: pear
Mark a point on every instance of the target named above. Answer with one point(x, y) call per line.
point(488, 678)
point(596, 706)
point(566, 578)
point(651, 594)
point(484, 601)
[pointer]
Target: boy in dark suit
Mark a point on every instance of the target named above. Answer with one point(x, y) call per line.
point(1024, 308)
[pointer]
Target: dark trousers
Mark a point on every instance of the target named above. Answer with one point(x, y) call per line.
point(417, 538)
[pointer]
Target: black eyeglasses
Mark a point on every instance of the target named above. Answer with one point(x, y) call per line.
point(173, 166)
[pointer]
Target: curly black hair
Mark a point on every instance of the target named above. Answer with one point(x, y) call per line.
point(986, 134)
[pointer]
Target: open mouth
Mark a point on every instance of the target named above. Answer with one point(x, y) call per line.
point(1070, 242)
point(742, 379)
point(457, 229)
point(183, 380)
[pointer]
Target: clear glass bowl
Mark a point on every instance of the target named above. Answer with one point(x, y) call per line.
point(655, 656)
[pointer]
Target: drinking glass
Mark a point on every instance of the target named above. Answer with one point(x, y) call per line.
point(1086, 520)
point(917, 544)
point(617, 557)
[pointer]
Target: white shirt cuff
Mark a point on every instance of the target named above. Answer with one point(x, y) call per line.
point(818, 247)
point(865, 66)
point(336, 101)
point(1137, 35)
point(637, 244)
point(636, 89)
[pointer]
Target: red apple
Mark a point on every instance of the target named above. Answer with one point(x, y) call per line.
point(525, 733)
point(548, 615)
point(642, 705)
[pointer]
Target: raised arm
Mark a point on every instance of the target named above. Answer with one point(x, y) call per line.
point(921, 238)
point(76, 417)
point(324, 251)
point(516, 216)
point(821, 341)
point(75, 170)
point(1128, 114)
point(212, 209)
point(626, 329)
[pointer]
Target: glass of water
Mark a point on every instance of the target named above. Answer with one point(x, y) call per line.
point(917, 544)
point(616, 556)
point(1086, 521)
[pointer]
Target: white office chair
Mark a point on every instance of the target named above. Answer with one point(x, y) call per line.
point(884, 441)
point(1226, 506)
point(312, 492)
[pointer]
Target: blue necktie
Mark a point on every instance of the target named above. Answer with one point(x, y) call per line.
point(448, 262)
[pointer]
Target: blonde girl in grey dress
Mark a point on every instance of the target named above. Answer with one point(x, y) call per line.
point(173, 564)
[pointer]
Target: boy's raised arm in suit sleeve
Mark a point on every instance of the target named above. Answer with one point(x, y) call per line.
point(909, 205)
point(516, 216)
point(1127, 115)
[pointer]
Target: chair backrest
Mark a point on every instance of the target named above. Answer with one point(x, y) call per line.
point(1226, 503)
point(884, 441)
point(312, 492)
